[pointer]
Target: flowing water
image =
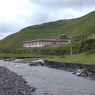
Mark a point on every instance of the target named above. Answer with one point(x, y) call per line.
point(49, 81)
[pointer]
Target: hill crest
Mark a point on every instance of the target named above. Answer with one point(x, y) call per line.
point(75, 28)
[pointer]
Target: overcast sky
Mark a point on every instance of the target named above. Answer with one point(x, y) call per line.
point(16, 14)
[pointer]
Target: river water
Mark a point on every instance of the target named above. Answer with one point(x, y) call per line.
point(49, 81)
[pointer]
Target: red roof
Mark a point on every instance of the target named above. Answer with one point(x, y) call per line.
point(48, 40)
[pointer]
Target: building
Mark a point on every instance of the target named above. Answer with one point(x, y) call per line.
point(61, 40)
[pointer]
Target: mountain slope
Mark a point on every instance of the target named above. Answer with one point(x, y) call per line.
point(75, 28)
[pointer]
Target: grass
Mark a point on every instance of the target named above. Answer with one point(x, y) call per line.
point(72, 27)
point(82, 58)
point(76, 28)
point(18, 56)
point(78, 58)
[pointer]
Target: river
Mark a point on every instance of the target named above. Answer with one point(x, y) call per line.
point(49, 81)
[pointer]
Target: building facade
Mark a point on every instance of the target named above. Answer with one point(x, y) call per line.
point(61, 40)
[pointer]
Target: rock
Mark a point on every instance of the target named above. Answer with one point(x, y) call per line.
point(75, 68)
point(37, 62)
point(12, 84)
point(9, 59)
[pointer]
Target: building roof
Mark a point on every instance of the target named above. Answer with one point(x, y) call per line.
point(47, 40)
point(62, 38)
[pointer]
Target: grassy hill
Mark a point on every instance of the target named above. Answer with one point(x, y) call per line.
point(76, 28)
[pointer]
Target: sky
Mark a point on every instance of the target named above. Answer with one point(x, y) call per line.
point(18, 14)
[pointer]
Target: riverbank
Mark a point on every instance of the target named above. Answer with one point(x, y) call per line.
point(76, 68)
point(82, 58)
point(85, 69)
point(48, 81)
point(12, 84)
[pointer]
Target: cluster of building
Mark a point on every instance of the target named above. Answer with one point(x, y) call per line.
point(61, 40)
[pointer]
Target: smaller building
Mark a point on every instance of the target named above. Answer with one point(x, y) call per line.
point(61, 40)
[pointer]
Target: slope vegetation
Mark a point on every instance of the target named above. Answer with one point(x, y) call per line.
point(76, 28)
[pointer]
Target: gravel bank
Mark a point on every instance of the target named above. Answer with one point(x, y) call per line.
point(12, 84)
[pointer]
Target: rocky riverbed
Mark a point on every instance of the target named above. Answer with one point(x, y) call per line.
point(13, 84)
point(51, 81)
point(79, 69)
point(76, 68)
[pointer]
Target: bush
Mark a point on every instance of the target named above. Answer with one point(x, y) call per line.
point(54, 50)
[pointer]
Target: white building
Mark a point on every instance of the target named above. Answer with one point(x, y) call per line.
point(63, 39)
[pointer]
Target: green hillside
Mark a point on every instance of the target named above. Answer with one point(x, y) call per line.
point(76, 28)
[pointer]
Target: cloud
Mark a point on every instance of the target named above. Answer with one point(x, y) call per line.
point(55, 4)
point(16, 14)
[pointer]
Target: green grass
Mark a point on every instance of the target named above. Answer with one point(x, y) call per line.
point(78, 58)
point(74, 27)
point(18, 55)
